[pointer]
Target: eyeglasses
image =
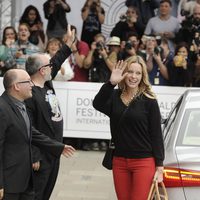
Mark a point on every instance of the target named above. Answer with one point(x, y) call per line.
point(28, 81)
point(47, 65)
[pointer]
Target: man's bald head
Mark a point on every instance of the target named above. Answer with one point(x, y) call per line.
point(196, 12)
point(17, 83)
point(10, 77)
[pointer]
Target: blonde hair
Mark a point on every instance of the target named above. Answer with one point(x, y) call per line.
point(144, 86)
point(53, 40)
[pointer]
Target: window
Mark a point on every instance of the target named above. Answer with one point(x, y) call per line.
point(169, 122)
point(190, 131)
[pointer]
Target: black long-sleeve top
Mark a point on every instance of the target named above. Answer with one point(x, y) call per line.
point(138, 134)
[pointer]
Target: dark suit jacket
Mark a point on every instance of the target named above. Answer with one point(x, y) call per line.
point(15, 147)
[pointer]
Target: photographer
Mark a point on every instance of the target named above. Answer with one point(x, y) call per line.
point(181, 67)
point(99, 72)
point(21, 48)
point(190, 28)
point(93, 16)
point(55, 12)
point(112, 54)
point(146, 8)
point(156, 57)
point(196, 72)
point(188, 7)
point(95, 62)
point(128, 22)
point(131, 46)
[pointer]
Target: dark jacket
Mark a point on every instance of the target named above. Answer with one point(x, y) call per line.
point(146, 9)
point(58, 15)
point(15, 147)
point(122, 29)
point(40, 111)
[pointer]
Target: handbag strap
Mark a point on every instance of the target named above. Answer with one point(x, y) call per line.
point(155, 192)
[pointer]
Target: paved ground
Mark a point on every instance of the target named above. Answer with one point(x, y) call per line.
point(82, 177)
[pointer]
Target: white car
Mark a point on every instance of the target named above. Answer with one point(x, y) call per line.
point(182, 148)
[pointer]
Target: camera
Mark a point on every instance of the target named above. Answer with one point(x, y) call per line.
point(158, 50)
point(185, 13)
point(197, 41)
point(23, 50)
point(100, 46)
point(128, 45)
point(158, 40)
point(179, 60)
point(123, 17)
point(191, 24)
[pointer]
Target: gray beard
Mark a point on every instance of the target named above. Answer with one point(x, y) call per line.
point(47, 77)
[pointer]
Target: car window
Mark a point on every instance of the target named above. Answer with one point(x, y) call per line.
point(169, 122)
point(190, 128)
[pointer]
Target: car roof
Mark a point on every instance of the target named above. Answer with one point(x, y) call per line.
point(191, 98)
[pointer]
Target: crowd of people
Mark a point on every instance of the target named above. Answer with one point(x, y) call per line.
point(170, 47)
point(155, 36)
point(158, 48)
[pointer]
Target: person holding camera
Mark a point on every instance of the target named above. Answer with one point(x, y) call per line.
point(21, 48)
point(131, 46)
point(129, 22)
point(190, 29)
point(146, 9)
point(55, 12)
point(188, 7)
point(9, 37)
point(111, 54)
point(31, 16)
point(156, 63)
point(181, 68)
point(196, 72)
point(93, 16)
point(95, 62)
point(99, 72)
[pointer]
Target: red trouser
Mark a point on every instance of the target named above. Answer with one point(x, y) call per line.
point(133, 177)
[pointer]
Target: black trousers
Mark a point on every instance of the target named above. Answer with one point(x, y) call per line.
point(28, 194)
point(45, 179)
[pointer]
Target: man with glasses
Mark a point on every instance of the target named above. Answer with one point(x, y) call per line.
point(46, 114)
point(16, 135)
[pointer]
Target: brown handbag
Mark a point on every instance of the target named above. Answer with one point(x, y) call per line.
point(157, 192)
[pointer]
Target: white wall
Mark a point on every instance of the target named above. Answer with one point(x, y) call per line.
point(83, 121)
point(113, 9)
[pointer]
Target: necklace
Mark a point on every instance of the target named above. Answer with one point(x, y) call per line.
point(127, 100)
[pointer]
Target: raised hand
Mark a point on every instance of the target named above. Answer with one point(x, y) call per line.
point(1, 193)
point(70, 39)
point(117, 74)
point(68, 151)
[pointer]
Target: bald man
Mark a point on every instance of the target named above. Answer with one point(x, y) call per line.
point(16, 135)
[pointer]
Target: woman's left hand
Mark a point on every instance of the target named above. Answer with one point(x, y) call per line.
point(159, 174)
